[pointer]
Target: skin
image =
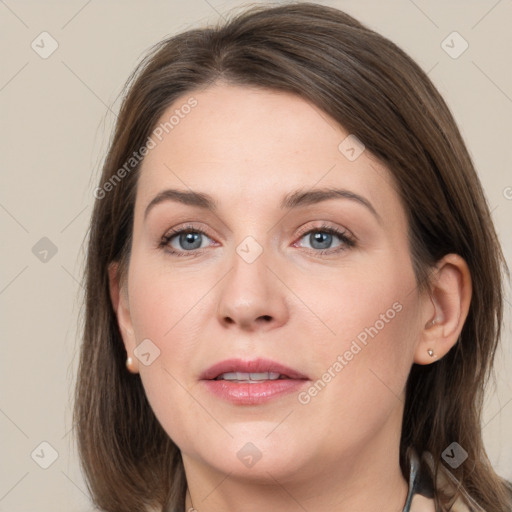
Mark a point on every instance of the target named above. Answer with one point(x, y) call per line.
point(248, 148)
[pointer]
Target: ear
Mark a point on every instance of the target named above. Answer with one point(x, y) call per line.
point(445, 310)
point(119, 298)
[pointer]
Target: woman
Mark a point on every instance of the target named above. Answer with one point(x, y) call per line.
point(293, 281)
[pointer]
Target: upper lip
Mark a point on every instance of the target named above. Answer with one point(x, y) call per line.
point(250, 366)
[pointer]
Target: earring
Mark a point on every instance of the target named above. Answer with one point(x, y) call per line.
point(129, 365)
point(430, 352)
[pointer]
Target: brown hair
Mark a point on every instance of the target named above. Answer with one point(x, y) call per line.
point(375, 91)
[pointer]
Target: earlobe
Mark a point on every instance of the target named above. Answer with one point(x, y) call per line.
point(444, 310)
point(119, 299)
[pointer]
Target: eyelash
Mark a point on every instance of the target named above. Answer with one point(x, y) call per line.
point(348, 240)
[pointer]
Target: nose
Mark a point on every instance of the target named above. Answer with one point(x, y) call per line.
point(252, 297)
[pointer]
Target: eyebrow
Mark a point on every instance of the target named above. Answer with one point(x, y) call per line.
point(291, 201)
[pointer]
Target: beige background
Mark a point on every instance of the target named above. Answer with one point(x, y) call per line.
point(57, 114)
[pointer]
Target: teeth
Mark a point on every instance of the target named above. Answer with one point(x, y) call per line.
point(249, 377)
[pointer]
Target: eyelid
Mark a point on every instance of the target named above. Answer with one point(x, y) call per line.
point(324, 225)
point(187, 226)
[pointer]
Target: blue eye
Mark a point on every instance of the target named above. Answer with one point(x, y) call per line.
point(187, 240)
point(321, 239)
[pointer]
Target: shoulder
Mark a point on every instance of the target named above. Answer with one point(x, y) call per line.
point(450, 486)
point(422, 488)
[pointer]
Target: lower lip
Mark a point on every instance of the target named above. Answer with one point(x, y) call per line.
point(246, 393)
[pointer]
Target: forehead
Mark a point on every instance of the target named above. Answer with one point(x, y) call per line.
point(253, 146)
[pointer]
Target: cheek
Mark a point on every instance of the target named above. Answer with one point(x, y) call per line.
point(373, 304)
point(362, 369)
point(164, 303)
point(167, 308)
point(365, 351)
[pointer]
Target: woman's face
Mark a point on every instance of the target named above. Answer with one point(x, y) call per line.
point(263, 275)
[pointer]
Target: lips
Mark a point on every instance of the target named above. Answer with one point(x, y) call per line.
point(253, 382)
point(244, 369)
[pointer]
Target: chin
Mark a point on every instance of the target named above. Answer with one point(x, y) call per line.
point(256, 457)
